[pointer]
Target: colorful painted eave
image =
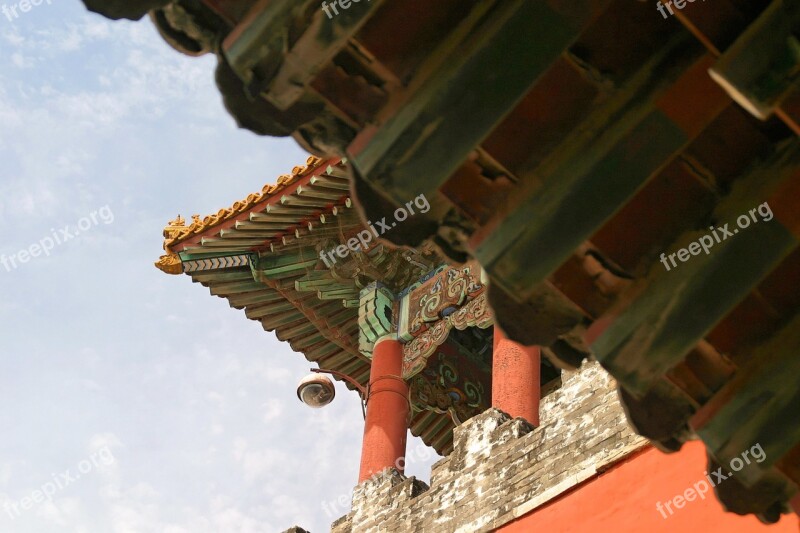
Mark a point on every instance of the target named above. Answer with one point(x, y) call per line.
point(222, 252)
point(179, 237)
point(260, 255)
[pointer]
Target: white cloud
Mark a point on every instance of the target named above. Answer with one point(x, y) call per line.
point(104, 440)
point(256, 464)
point(5, 473)
point(13, 37)
point(91, 385)
point(273, 408)
point(21, 61)
point(61, 511)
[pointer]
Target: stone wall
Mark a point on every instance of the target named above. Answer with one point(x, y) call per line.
point(502, 468)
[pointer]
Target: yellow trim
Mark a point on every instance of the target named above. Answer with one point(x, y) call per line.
point(177, 231)
point(170, 264)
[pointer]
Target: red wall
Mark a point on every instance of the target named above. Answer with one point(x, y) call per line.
point(624, 500)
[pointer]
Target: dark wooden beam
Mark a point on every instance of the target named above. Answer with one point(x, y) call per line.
point(758, 407)
point(763, 66)
point(599, 168)
point(715, 25)
point(269, 60)
point(455, 109)
point(260, 38)
point(679, 307)
point(315, 49)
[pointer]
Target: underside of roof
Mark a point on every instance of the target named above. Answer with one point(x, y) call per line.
point(581, 152)
point(263, 256)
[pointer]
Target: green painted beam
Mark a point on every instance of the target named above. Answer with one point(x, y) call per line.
point(322, 348)
point(319, 279)
point(256, 312)
point(224, 245)
point(302, 328)
point(275, 266)
point(593, 174)
point(199, 253)
point(314, 286)
point(235, 287)
point(343, 316)
point(222, 275)
point(682, 305)
point(302, 344)
point(337, 293)
point(761, 405)
point(326, 37)
point(544, 233)
point(327, 181)
point(763, 65)
point(262, 295)
point(454, 110)
point(376, 305)
point(264, 39)
point(277, 320)
point(261, 38)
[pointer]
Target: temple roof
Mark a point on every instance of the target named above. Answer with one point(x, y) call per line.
point(262, 255)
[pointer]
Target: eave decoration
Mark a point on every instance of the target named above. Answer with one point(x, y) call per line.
point(449, 298)
point(449, 388)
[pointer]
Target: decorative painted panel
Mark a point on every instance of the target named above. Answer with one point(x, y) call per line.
point(415, 353)
point(451, 384)
point(216, 263)
point(374, 316)
point(440, 294)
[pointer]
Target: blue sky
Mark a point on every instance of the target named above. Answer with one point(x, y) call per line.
point(184, 411)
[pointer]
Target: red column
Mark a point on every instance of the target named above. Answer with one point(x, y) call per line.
point(386, 425)
point(515, 378)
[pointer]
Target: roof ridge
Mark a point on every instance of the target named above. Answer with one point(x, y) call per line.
point(176, 230)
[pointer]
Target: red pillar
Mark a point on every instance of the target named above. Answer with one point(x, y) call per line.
point(515, 378)
point(387, 410)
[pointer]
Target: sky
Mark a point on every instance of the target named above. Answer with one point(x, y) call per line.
point(134, 401)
